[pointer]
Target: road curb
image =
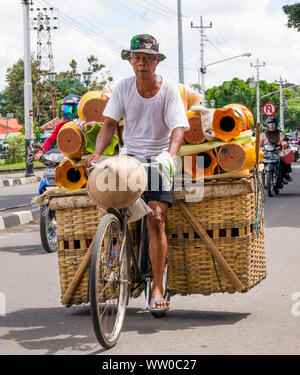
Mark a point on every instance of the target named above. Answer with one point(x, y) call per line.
point(19, 181)
point(13, 219)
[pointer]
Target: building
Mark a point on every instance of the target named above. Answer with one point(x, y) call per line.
point(13, 126)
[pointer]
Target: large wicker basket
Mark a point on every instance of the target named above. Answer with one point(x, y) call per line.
point(229, 222)
point(77, 220)
point(227, 213)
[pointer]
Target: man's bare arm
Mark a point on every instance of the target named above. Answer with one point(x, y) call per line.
point(104, 137)
point(176, 141)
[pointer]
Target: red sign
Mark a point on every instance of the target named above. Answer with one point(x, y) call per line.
point(269, 109)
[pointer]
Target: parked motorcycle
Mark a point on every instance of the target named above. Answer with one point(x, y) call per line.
point(271, 175)
point(50, 159)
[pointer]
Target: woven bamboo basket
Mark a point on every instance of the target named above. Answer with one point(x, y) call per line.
point(229, 222)
point(77, 219)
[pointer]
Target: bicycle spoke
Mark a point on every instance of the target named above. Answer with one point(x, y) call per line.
point(108, 294)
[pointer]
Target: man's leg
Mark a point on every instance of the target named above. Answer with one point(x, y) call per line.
point(158, 248)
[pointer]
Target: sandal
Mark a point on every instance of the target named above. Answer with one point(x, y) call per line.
point(157, 309)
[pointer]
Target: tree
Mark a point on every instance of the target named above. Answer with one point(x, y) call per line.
point(196, 87)
point(239, 91)
point(3, 102)
point(293, 13)
point(15, 90)
point(12, 97)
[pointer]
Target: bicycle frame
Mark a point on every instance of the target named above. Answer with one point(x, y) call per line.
point(139, 276)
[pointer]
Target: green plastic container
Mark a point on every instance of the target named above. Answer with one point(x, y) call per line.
point(90, 141)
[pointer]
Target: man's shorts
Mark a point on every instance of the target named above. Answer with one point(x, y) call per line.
point(154, 190)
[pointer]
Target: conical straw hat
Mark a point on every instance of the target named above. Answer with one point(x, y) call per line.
point(117, 182)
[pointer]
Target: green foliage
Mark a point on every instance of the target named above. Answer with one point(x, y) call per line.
point(12, 97)
point(37, 132)
point(3, 102)
point(196, 87)
point(73, 64)
point(16, 150)
point(234, 91)
point(293, 13)
point(15, 90)
point(239, 91)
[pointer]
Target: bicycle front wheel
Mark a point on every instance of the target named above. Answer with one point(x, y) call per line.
point(109, 289)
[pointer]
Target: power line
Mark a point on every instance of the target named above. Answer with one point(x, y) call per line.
point(87, 31)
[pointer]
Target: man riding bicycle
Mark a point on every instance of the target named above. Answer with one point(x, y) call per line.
point(155, 122)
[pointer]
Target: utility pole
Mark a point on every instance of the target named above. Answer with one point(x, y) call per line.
point(202, 67)
point(180, 43)
point(28, 113)
point(281, 106)
point(257, 66)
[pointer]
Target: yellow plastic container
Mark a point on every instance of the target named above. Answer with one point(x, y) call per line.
point(91, 106)
point(68, 176)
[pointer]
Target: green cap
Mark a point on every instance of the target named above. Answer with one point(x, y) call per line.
point(145, 43)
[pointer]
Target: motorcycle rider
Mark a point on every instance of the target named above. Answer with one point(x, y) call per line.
point(275, 136)
point(69, 107)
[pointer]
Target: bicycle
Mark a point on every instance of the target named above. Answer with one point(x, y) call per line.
point(113, 282)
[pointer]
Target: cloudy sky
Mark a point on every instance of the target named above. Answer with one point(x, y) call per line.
point(104, 27)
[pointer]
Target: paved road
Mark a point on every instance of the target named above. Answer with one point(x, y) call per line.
point(12, 196)
point(258, 322)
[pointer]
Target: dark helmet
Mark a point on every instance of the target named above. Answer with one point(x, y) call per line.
point(69, 107)
point(272, 120)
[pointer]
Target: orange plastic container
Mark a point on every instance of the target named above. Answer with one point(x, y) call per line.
point(195, 134)
point(245, 113)
point(70, 141)
point(227, 124)
point(192, 167)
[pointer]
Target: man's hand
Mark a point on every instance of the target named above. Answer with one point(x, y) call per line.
point(166, 164)
point(38, 155)
point(91, 159)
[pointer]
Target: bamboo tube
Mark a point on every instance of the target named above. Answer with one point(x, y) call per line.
point(66, 298)
point(211, 246)
point(217, 190)
point(231, 157)
point(257, 141)
point(239, 174)
point(245, 137)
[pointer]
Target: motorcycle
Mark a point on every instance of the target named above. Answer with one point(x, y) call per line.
point(271, 175)
point(51, 160)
